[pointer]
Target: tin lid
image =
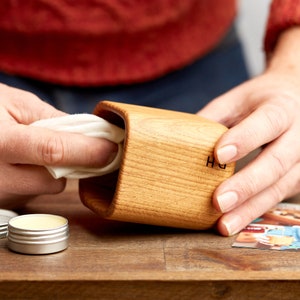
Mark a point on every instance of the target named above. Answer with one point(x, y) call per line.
point(5, 216)
point(38, 234)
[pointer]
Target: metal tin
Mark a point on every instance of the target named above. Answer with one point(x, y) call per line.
point(38, 234)
point(5, 216)
point(3, 231)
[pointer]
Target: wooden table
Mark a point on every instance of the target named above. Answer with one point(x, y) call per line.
point(114, 260)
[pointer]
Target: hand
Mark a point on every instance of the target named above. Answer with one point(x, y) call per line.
point(261, 112)
point(24, 150)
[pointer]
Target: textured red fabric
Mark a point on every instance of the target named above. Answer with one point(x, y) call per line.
point(107, 42)
point(283, 14)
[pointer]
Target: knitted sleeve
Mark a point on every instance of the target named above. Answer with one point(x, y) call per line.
point(283, 14)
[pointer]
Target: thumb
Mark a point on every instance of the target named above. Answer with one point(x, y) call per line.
point(41, 146)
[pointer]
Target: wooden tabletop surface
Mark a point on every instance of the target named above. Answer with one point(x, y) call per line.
point(114, 260)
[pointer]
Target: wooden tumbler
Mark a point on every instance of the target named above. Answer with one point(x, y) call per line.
point(168, 172)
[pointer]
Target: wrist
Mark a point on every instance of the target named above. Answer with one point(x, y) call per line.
point(285, 58)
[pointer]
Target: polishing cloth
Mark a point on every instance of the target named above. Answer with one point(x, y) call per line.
point(89, 125)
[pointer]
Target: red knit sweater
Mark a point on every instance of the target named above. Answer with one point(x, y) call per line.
point(108, 42)
point(283, 14)
point(105, 42)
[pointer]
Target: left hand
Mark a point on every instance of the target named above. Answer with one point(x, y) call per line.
point(263, 111)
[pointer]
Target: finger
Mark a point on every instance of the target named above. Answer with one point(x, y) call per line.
point(25, 107)
point(39, 146)
point(228, 108)
point(235, 220)
point(28, 180)
point(269, 166)
point(265, 124)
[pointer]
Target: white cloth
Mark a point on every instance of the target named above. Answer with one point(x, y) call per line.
point(89, 125)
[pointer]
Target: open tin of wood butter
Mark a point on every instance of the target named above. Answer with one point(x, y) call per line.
point(38, 234)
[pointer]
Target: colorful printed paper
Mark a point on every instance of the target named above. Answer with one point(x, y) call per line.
point(278, 229)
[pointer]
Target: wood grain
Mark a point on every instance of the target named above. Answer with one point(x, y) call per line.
point(168, 173)
point(176, 290)
point(114, 260)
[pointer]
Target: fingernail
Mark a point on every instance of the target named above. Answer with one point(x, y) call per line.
point(226, 153)
point(227, 201)
point(233, 224)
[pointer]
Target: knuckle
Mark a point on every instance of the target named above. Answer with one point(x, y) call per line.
point(248, 190)
point(276, 118)
point(52, 151)
point(276, 194)
point(278, 166)
point(259, 180)
point(247, 186)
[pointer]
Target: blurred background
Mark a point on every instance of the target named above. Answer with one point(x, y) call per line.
point(251, 27)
